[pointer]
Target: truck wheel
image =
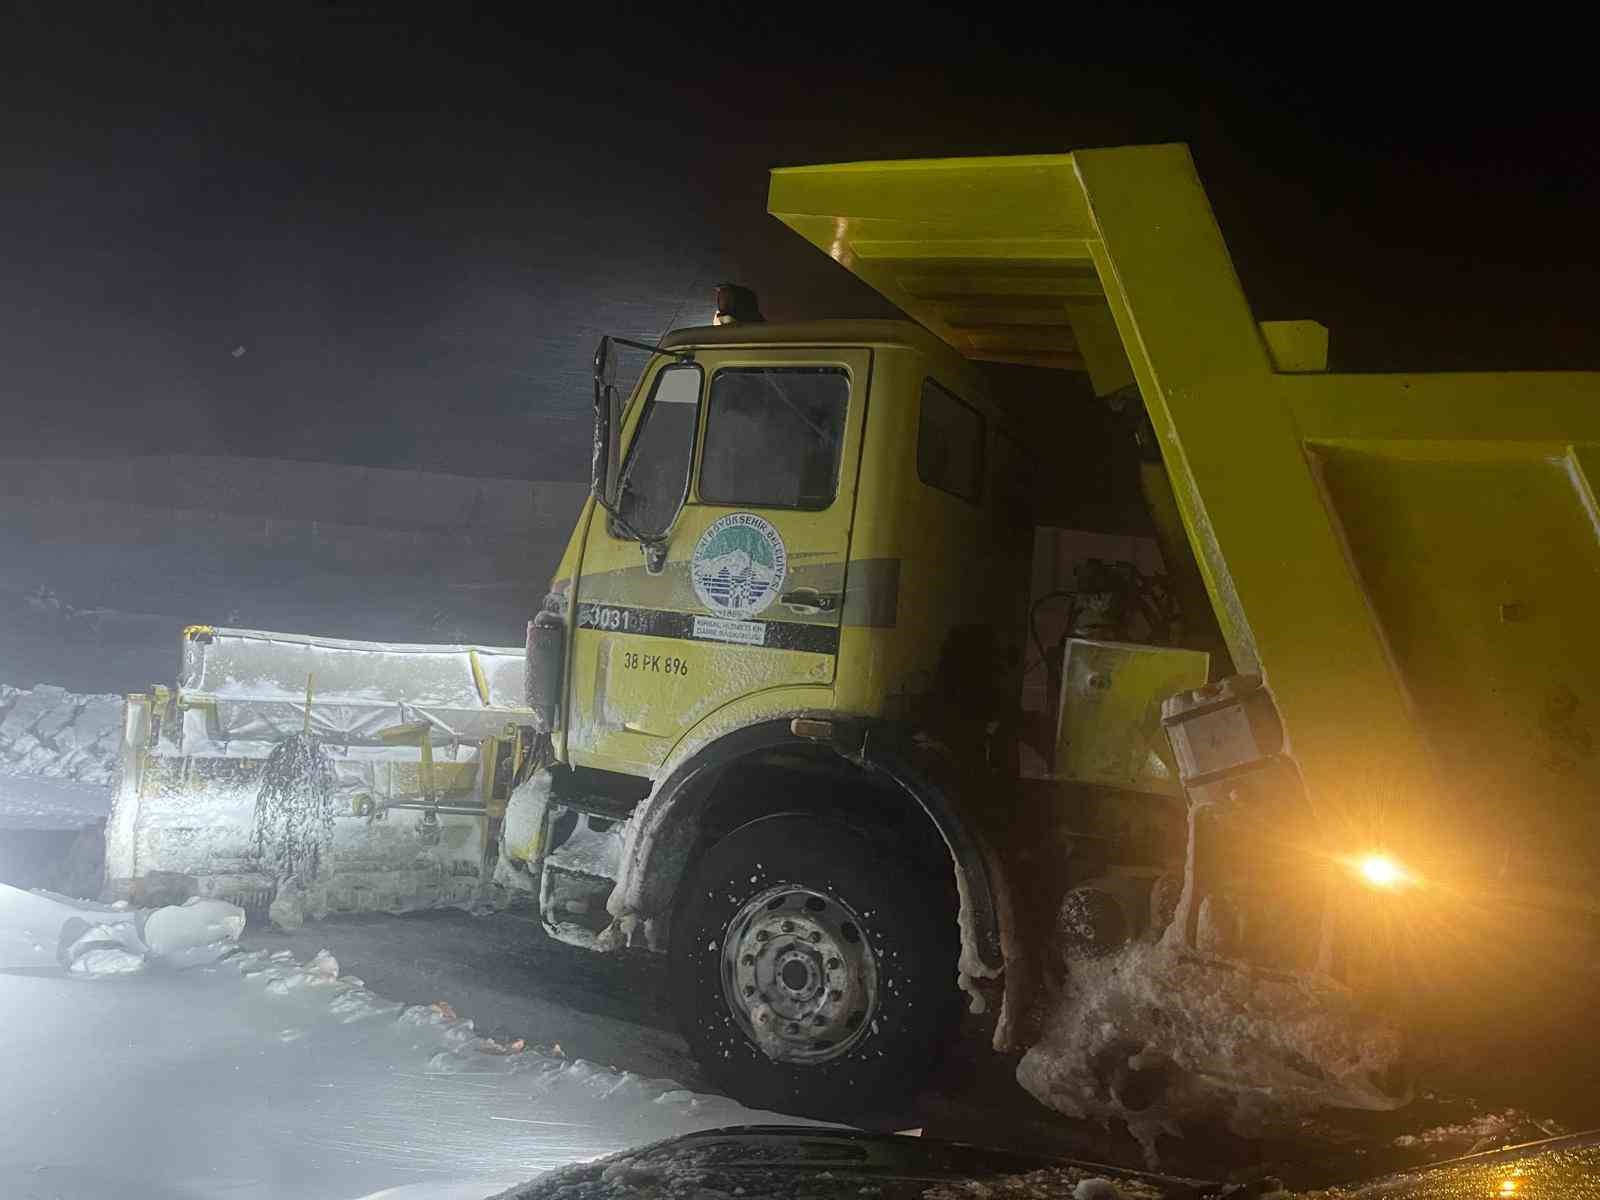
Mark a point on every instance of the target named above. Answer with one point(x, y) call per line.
point(810, 974)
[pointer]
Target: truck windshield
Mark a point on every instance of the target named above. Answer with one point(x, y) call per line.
point(774, 435)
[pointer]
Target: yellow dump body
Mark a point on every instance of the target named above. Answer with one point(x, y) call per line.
point(1412, 561)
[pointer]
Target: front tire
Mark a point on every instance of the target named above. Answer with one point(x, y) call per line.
point(811, 973)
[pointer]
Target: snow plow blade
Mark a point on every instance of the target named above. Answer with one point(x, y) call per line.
point(420, 744)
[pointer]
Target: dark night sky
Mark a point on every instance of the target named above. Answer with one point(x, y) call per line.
point(416, 225)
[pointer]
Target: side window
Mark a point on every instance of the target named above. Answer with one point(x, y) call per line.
point(774, 436)
point(950, 439)
point(655, 477)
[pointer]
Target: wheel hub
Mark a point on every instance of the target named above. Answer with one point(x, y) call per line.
point(799, 975)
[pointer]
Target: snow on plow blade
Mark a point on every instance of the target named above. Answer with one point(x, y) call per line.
point(421, 743)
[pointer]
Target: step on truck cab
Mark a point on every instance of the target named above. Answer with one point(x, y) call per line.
point(1080, 627)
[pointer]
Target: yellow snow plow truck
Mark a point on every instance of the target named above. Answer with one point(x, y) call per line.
point(861, 694)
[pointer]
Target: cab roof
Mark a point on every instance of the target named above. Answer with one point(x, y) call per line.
point(822, 333)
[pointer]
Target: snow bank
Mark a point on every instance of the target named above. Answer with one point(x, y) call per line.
point(59, 734)
point(1155, 1036)
point(89, 939)
point(260, 1076)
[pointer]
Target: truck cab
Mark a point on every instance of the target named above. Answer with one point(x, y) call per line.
point(791, 616)
point(781, 664)
point(822, 496)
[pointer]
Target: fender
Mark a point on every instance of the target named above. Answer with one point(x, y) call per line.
point(663, 830)
point(929, 777)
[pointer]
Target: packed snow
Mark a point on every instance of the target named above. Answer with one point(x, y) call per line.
point(1157, 1037)
point(255, 1075)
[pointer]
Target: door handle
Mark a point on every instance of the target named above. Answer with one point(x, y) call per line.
point(808, 600)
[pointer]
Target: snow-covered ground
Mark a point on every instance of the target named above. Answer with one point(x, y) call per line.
point(260, 1076)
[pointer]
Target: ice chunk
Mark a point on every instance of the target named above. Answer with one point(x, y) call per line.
point(197, 931)
point(96, 949)
point(104, 960)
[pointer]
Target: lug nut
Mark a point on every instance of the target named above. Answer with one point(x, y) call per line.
point(748, 960)
point(815, 936)
point(749, 989)
point(819, 1020)
point(762, 935)
point(793, 1028)
point(835, 995)
point(834, 964)
point(788, 926)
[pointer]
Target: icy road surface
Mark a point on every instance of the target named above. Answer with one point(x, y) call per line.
point(260, 1077)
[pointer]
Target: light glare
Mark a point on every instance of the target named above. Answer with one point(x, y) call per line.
point(1381, 871)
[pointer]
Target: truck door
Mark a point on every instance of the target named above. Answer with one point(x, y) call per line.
point(761, 446)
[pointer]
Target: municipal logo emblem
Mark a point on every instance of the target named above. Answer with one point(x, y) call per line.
point(738, 565)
